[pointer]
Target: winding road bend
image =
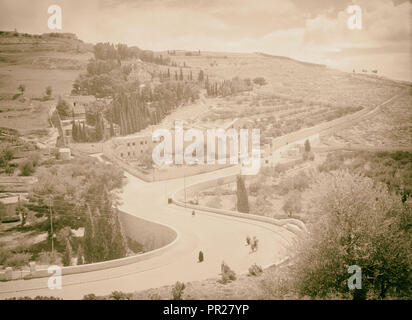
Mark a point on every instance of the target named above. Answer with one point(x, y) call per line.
point(219, 237)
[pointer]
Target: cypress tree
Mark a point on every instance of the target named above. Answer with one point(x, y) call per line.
point(201, 76)
point(74, 131)
point(67, 257)
point(241, 195)
point(84, 133)
point(99, 127)
point(111, 129)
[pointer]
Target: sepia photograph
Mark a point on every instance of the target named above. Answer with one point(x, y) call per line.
point(184, 151)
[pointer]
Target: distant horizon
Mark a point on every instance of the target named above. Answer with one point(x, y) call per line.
point(310, 31)
point(342, 69)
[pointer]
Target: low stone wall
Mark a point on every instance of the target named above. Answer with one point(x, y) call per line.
point(157, 236)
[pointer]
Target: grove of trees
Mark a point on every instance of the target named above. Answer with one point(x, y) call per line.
point(134, 111)
point(76, 195)
point(227, 87)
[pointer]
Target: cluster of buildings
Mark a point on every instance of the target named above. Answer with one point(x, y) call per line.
point(135, 147)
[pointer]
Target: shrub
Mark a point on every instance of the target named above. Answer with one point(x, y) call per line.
point(155, 296)
point(4, 255)
point(227, 273)
point(177, 290)
point(308, 155)
point(276, 286)
point(47, 298)
point(255, 270)
point(260, 81)
point(248, 240)
point(201, 257)
point(311, 156)
point(35, 158)
point(26, 168)
point(118, 295)
point(48, 258)
point(35, 298)
point(49, 91)
point(90, 296)
point(9, 169)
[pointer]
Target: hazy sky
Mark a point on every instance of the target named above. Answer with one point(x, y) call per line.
point(310, 30)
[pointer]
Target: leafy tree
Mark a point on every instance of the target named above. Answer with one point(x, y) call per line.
point(21, 88)
point(292, 203)
point(63, 108)
point(6, 155)
point(49, 91)
point(201, 257)
point(241, 195)
point(118, 295)
point(74, 191)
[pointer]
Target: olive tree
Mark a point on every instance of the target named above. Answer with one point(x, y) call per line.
point(360, 223)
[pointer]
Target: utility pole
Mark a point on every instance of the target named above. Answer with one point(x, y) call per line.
point(184, 184)
point(51, 226)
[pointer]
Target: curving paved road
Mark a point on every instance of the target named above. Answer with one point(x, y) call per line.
point(219, 237)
